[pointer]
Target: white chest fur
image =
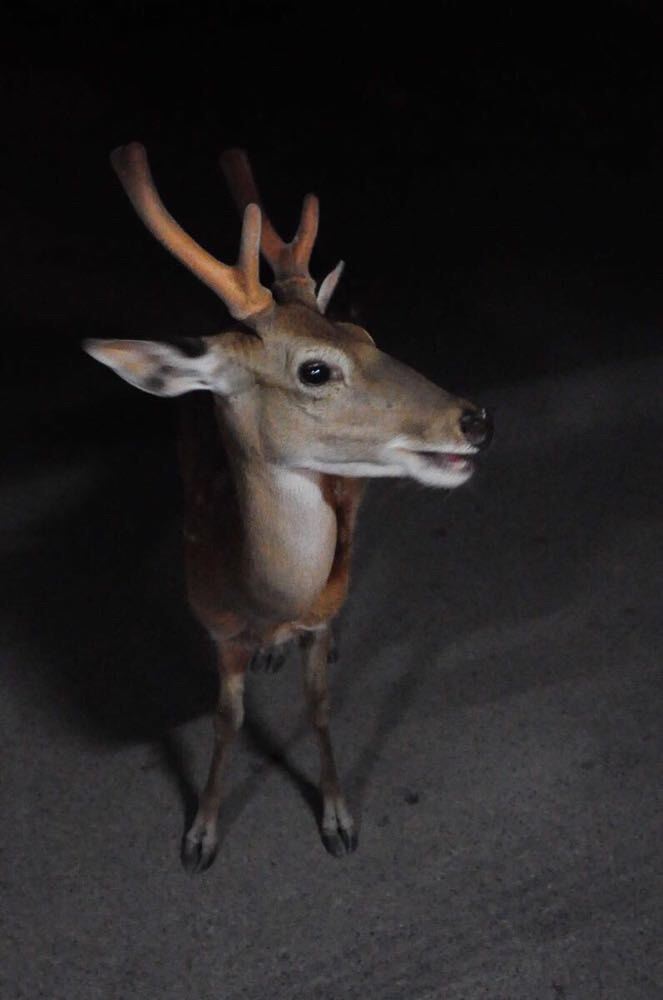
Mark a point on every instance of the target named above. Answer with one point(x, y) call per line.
point(290, 538)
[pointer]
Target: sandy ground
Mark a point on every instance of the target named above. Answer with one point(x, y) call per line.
point(497, 721)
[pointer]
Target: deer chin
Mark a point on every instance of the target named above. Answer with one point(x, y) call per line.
point(437, 468)
point(444, 469)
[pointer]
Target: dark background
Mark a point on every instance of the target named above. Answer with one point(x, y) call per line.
point(479, 172)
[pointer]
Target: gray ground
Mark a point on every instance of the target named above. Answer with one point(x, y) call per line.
point(497, 723)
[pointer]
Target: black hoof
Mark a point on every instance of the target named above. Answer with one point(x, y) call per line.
point(268, 661)
point(197, 855)
point(340, 842)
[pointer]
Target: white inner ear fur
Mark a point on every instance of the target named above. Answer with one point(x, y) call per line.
point(163, 370)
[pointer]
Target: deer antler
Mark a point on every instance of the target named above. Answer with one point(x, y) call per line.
point(238, 286)
point(288, 261)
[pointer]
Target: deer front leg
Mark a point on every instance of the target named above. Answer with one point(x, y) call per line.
point(201, 842)
point(338, 829)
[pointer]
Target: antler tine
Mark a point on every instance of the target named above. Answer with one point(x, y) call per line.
point(238, 286)
point(307, 231)
point(287, 260)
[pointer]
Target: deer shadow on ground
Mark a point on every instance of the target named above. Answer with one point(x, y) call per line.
point(98, 605)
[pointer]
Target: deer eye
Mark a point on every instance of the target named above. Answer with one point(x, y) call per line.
point(314, 373)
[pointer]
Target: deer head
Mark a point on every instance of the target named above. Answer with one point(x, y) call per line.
point(292, 387)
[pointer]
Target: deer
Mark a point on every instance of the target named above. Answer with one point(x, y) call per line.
point(285, 416)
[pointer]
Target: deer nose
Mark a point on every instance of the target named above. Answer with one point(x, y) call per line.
point(477, 426)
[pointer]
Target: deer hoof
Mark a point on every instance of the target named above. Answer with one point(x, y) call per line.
point(338, 830)
point(340, 842)
point(267, 661)
point(199, 848)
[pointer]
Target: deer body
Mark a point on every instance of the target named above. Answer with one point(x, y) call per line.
point(298, 410)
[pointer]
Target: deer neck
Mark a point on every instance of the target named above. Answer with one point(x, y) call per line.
point(288, 527)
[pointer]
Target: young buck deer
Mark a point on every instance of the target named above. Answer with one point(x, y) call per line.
point(299, 409)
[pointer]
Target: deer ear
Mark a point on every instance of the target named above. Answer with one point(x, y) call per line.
point(328, 286)
point(357, 331)
point(170, 369)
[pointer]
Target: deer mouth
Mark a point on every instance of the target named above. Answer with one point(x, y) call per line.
point(438, 468)
point(446, 460)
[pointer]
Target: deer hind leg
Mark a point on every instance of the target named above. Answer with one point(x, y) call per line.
point(201, 841)
point(338, 829)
